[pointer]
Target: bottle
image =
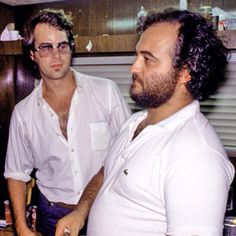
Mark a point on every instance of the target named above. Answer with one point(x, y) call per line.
point(206, 12)
point(140, 16)
point(33, 225)
point(8, 217)
point(141, 12)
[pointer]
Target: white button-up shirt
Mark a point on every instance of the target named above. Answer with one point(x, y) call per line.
point(64, 167)
point(172, 179)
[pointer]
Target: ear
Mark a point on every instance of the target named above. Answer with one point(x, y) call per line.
point(31, 54)
point(184, 75)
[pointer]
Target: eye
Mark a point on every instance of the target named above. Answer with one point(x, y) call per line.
point(148, 59)
point(64, 45)
point(46, 47)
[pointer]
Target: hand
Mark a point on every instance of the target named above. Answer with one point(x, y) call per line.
point(72, 222)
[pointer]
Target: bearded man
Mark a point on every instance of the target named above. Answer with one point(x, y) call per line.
point(167, 172)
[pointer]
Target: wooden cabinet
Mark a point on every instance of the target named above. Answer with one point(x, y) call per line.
point(15, 83)
point(106, 44)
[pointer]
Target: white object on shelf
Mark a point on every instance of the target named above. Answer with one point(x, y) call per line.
point(183, 4)
point(142, 12)
point(89, 46)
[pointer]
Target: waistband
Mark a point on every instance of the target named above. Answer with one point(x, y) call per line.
point(64, 205)
point(60, 204)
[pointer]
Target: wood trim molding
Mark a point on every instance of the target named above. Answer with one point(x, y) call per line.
point(107, 43)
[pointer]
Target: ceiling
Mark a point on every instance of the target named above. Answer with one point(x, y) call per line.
point(25, 2)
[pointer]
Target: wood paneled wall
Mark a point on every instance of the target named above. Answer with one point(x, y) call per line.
point(98, 17)
point(6, 15)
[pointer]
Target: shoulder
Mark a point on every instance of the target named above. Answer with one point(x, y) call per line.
point(94, 81)
point(28, 103)
point(197, 132)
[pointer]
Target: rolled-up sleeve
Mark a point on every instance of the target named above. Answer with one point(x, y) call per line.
point(19, 161)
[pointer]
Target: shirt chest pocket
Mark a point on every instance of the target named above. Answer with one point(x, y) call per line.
point(100, 135)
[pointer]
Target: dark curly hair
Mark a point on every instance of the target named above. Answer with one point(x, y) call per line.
point(198, 48)
point(52, 17)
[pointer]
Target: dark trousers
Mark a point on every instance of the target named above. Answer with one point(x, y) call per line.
point(49, 214)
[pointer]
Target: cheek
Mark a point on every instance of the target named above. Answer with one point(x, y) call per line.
point(150, 79)
point(41, 63)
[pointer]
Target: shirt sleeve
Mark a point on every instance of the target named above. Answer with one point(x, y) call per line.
point(196, 190)
point(19, 161)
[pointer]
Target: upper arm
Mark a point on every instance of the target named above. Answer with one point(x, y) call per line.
point(18, 164)
point(196, 191)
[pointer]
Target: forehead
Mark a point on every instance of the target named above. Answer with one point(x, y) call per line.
point(47, 33)
point(158, 38)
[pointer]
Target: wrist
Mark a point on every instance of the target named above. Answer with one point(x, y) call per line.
point(21, 228)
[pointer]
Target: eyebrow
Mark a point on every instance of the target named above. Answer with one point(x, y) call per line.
point(148, 54)
point(46, 43)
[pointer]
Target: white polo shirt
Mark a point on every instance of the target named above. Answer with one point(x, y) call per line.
point(64, 167)
point(172, 178)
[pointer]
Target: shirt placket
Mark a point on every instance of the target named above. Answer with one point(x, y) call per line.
point(74, 155)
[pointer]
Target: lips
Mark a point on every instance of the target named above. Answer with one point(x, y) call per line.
point(56, 65)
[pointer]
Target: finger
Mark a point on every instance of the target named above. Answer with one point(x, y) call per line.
point(67, 231)
point(60, 230)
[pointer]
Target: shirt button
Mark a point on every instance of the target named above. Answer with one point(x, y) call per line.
point(72, 149)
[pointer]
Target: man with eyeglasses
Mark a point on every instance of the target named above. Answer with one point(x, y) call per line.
point(63, 129)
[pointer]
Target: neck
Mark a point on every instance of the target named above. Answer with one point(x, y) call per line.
point(59, 87)
point(156, 115)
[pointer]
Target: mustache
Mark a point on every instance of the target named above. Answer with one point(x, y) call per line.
point(136, 77)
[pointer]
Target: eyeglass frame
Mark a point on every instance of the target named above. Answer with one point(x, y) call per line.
point(51, 48)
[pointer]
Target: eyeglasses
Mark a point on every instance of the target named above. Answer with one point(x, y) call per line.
point(46, 49)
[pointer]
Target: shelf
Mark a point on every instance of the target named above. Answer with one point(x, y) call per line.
point(11, 47)
point(107, 43)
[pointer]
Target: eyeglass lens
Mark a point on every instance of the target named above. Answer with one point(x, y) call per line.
point(46, 49)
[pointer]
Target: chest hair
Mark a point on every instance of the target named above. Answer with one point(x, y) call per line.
point(62, 108)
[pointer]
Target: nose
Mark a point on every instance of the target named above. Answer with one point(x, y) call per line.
point(136, 66)
point(55, 52)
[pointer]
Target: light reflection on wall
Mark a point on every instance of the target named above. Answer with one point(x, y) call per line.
point(123, 24)
point(7, 97)
point(8, 78)
point(20, 77)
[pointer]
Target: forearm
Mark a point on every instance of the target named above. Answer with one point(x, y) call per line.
point(89, 194)
point(17, 191)
point(76, 219)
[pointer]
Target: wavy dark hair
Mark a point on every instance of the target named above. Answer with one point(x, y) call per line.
point(52, 17)
point(198, 48)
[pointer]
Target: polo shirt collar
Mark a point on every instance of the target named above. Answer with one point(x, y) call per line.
point(172, 121)
point(180, 116)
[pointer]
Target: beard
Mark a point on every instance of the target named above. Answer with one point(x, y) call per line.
point(159, 89)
